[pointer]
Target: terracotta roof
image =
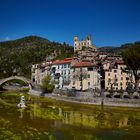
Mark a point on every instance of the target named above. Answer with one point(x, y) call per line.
point(70, 58)
point(120, 62)
point(59, 62)
point(83, 64)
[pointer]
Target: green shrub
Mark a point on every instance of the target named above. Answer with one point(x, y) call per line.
point(47, 84)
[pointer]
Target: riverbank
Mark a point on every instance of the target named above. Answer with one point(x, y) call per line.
point(116, 102)
point(98, 101)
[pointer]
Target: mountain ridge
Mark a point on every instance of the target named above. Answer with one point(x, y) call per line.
point(118, 50)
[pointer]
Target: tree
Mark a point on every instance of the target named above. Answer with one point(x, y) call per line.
point(101, 71)
point(80, 75)
point(47, 84)
point(132, 59)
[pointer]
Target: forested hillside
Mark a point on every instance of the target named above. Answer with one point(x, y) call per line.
point(119, 50)
point(17, 56)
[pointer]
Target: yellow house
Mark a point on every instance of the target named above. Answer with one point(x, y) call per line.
point(116, 78)
point(84, 75)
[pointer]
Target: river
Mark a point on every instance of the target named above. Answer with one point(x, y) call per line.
point(48, 119)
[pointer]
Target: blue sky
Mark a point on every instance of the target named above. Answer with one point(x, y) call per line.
point(110, 22)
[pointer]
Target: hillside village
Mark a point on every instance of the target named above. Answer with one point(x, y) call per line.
point(90, 68)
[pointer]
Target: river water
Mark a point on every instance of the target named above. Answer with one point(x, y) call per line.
point(47, 119)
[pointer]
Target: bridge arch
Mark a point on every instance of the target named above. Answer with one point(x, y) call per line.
point(27, 81)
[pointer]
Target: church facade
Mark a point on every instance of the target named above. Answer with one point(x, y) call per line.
point(79, 45)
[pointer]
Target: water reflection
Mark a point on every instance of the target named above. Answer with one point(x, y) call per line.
point(56, 121)
point(87, 118)
point(21, 112)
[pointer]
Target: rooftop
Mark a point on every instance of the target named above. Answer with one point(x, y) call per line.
point(120, 62)
point(83, 64)
point(59, 62)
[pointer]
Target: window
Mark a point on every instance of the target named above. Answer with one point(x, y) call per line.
point(88, 75)
point(64, 78)
point(116, 84)
point(65, 65)
point(58, 66)
point(121, 84)
point(121, 78)
point(115, 71)
point(88, 83)
point(127, 78)
point(90, 69)
point(108, 74)
point(109, 80)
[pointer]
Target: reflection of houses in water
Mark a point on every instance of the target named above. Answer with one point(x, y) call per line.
point(123, 122)
point(77, 118)
point(82, 119)
point(98, 119)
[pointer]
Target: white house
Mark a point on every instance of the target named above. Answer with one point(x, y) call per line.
point(60, 71)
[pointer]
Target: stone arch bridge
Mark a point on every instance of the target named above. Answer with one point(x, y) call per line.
point(27, 81)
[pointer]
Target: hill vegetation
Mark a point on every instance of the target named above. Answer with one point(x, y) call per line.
point(17, 56)
point(118, 50)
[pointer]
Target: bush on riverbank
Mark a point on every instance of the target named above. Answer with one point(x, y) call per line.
point(47, 84)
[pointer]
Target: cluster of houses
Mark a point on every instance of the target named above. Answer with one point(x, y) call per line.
point(88, 69)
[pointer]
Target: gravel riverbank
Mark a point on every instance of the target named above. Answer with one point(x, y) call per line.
point(117, 102)
point(98, 101)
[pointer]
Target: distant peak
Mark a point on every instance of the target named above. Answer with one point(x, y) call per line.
point(34, 38)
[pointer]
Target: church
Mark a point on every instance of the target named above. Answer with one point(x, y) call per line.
point(85, 43)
